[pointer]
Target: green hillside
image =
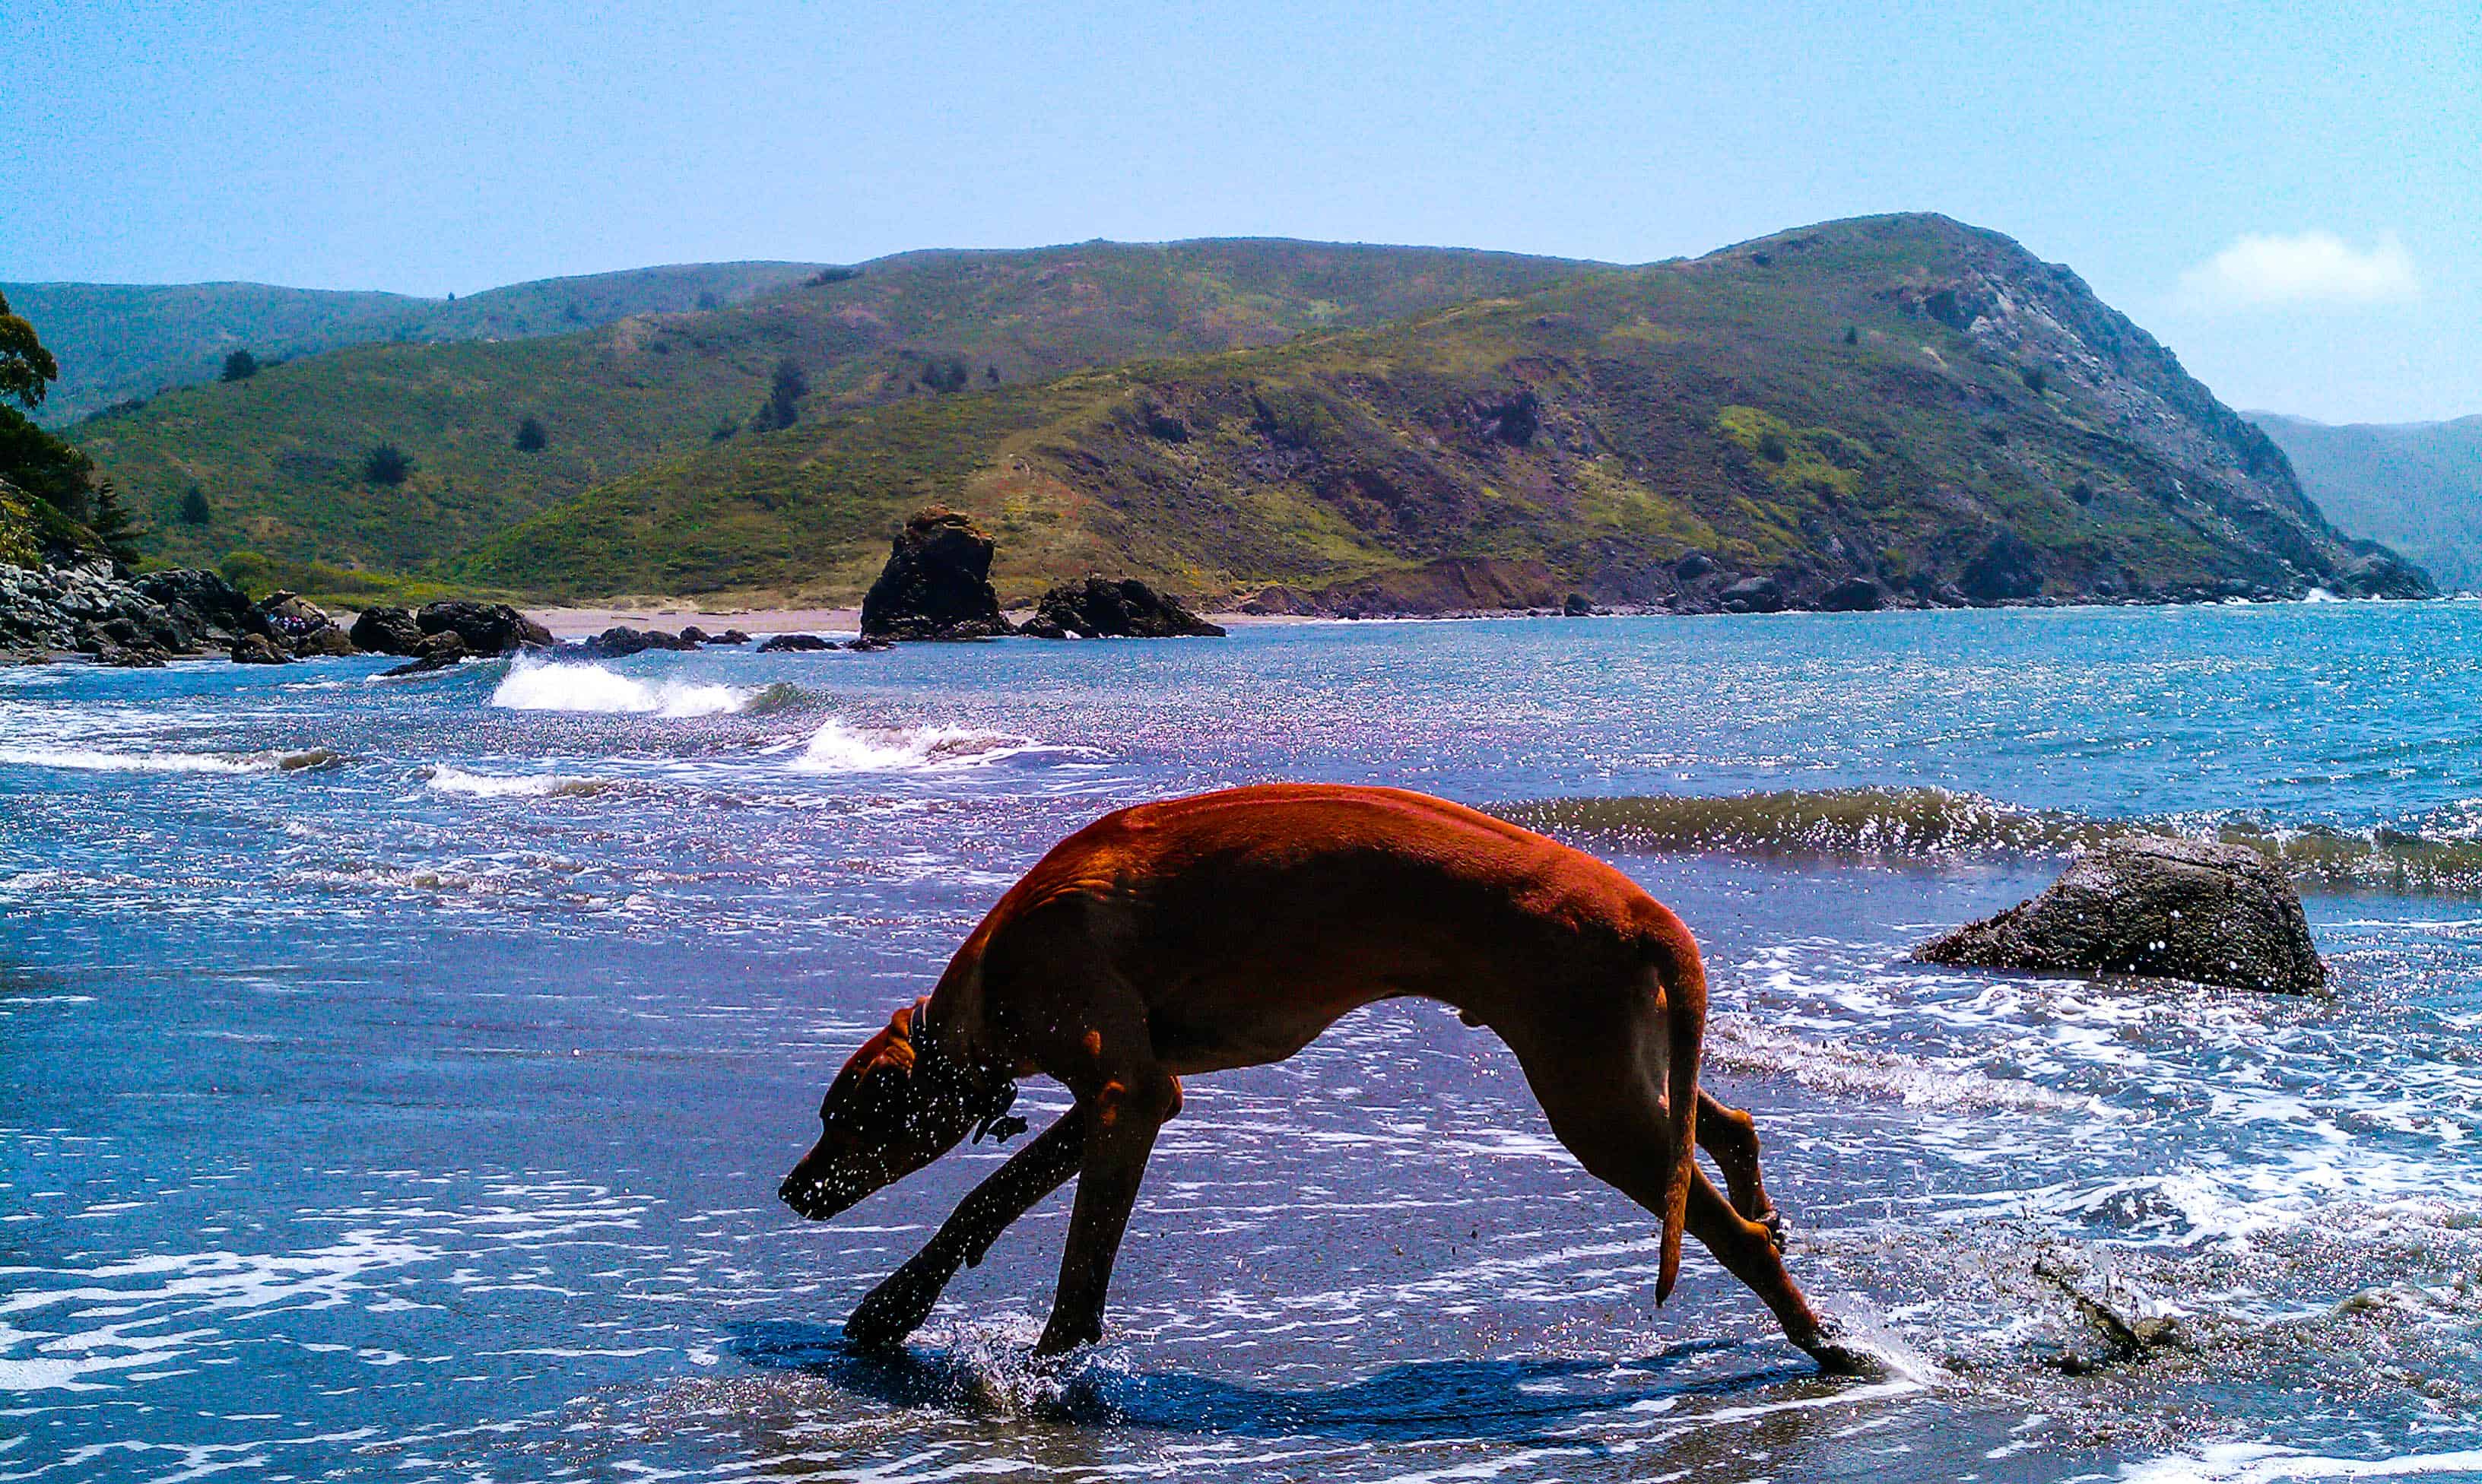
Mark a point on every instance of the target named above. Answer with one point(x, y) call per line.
point(2417, 486)
point(280, 460)
point(122, 341)
point(1899, 399)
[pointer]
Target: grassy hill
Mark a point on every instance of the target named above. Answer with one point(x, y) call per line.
point(116, 342)
point(1902, 399)
point(2416, 487)
point(279, 460)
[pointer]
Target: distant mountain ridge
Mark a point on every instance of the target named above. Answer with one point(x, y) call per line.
point(2416, 487)
point(1899, 410)
point(117, 341)
point(1891, 409)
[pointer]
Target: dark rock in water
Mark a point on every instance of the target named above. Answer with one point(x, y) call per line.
point(259, 649)
point(694, 633)
point(327, 644)
point(1040, 627)
point(1128, 609)
point(1755, 595)
point(440, 651)
point(2382, 574)
point(1853, 595)
point(795, 643)
point(386, 631)
point(137, 657)
point(2158, 906)
point(486, 628)
point(2006, 569)
point(1692, 566)
point(1576, 606)
point(866, 644)
point(202, 602)
point(620, 641)
point(728, 636)
point(936, 584)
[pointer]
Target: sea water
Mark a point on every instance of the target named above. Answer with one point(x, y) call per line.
point(395, 1075)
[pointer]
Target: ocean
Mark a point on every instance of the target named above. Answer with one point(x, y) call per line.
point(395, 1075)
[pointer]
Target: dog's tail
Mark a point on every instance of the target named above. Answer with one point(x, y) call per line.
point(1684, 1017)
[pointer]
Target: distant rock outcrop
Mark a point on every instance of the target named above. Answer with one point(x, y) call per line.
point(86, 607)
point(1128, 609)
point(2157, 906)
point(486, 628)
point(795, 643)
point(936, 584)
point(386, 631)
point(619, 641)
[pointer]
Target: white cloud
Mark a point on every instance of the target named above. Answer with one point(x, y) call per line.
point(2307, 268)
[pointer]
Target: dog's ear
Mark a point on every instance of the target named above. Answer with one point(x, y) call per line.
point(877, 1077)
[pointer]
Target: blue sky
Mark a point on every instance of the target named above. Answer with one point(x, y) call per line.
point(2292, 202)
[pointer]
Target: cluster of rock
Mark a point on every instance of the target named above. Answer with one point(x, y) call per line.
point(2157, 907)
point(89, 609)
point(938, 586)
point(439, 634)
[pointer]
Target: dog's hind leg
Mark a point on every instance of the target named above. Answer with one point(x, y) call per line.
point(1125, 1097)
point(1731, 1137)
point(898, 1305)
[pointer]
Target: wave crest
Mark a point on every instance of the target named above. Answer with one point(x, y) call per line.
point(1940, 826)
point(837, 748)
point(91, 759)
point(532, 685)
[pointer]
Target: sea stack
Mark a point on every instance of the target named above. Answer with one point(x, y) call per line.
point(936, 584)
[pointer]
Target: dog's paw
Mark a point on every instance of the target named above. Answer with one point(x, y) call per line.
point(1837, 1355)
point(895, 1309)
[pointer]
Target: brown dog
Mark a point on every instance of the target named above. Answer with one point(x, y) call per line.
point(1230, 929)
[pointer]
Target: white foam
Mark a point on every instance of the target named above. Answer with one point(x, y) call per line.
point(2255, 1463)
point(94, 761)
point(534, 686)
point(448, 779)
point(838, 748)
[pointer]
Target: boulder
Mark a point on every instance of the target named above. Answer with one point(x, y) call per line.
point(728, 636)
point(288, 618)
point(2155, 906)
point(1693, 565)
point(259, 649)
point(795, 643)
point(440, 651)
point(486, 628)
point(620, 641)
point(1853, 595)
point(866, 644)
point(694, 633)
point(137, 657)
point(1576, 606)
point(386, 631)
point(202, 602)
point(327, 644)
point(1754, 595)
point(936, 584)
point(1128, 609)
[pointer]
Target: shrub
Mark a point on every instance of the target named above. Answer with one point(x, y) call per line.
point(723, 429)
point(706, 299)
point(827, 275)
point(1852, 334)
point(2036, 378)
point(531, 436)
point(247, 570)
point(240, 366)
point(947, 373)
point(784, 394)
point(386, 464)
point(194, 507)
point(991, 375)
point(1772, 447)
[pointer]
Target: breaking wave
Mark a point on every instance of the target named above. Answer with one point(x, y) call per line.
point(457, 780)
point(531, 685)
point(837, 748)
point(1937, 826)
point(91, 759)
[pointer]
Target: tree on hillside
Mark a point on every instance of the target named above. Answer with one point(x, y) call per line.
point(27, 371)
point(531, 436)
point(386, 464)
point(240, 366)
point(946, 373)
point(112, 525)
point(784, 394)
point(194, 507)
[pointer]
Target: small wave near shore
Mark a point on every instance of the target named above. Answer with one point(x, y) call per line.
point(535, 685)
point(1937, 826)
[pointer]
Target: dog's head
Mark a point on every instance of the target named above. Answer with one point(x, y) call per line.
point(897, 1105)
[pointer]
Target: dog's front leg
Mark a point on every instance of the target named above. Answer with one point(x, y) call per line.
point(1122, 1120)
point(905, 1298)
